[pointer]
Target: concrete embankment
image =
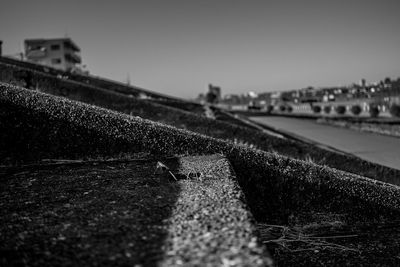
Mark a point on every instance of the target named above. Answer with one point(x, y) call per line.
point(274, 188)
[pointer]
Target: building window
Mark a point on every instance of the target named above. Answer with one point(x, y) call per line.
point(36, 47)
point(55, 47)
point(55, 60)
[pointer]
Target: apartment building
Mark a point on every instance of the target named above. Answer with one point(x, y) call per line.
point(59, 53)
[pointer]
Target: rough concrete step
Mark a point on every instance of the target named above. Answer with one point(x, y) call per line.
point(279, 190)
point(135, 213)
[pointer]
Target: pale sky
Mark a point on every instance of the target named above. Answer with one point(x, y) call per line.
point(178, 47)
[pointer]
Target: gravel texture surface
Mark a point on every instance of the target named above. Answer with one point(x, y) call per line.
point(108, 98)
point(127, 213)
point(276, 188)
point(89, 215)
point(327, 239)
point(89, 131)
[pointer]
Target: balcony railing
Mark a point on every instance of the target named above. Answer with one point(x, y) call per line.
point(74, 58)
point(36, 53)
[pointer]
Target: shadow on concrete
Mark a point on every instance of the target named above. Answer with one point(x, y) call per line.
point(95, 214)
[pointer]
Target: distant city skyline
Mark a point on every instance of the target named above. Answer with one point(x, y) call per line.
point(179, 47)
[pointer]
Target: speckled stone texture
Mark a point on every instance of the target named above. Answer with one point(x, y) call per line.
point(211, 225)
point(121, 101)
point(126, 213)
point(37, 123)
point(277, 189)
point(88, 215)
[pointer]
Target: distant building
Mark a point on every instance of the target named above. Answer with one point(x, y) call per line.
point(60, 53)
point(215, 90)
point(363, 83)
point(214, 94)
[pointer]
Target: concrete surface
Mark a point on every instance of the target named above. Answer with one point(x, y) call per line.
point(127, 214)
point(384, 150)
point(205, 214)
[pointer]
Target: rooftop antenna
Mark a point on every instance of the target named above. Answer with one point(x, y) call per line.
point(128, 79)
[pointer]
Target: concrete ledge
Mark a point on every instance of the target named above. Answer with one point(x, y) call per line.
point(87, 131)
point(211, 225)
point(87, 79)
point(276, 188)
point(186, 120)
point(114, 213)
